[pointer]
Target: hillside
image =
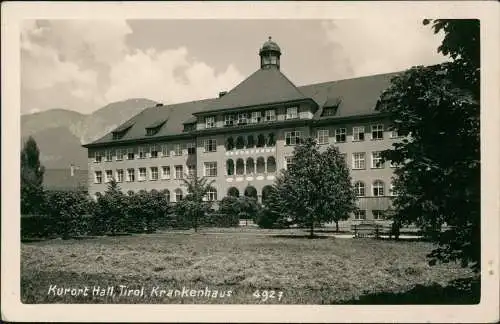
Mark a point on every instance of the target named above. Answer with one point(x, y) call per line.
point(60, 133)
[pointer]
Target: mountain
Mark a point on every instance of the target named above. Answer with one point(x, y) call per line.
point(60, 133)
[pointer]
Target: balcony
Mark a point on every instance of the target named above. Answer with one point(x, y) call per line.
point(251, 151)
point(249, 169)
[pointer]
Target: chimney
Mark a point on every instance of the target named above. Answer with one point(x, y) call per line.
point(72, 169)
point(222, 94)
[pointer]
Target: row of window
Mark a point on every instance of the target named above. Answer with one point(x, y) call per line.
point(253, 117)
point(211, 195)
point(360, 214)
point(359, 161)
point(155, 173)
point(378, 189)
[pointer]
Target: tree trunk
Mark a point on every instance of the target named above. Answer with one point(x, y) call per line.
point(337, 226)
point(311, 230)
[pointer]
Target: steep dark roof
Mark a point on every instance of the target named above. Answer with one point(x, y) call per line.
point(262, 87)
point(61, 179)
point(356, 97)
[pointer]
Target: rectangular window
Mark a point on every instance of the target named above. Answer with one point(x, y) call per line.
point(242, 118)
point(191, 148)
point(292, 113)
point(192, 170)
point(210, 169)
point(154, 173)
point(119, 155)
point(164, 150)
point(377, 160)
point(142, 152)
point(378, 214)
point(228, 120)
point(378, 132)
point(109, 175)
point(98, 177)
point(210, 145)
point(177, 150)
point(179, 173)
point(153, 151)
point(323, 136)
point(293, 138)
point(256, 117)
point(119, 175)
point(358, 160)
point(165, 172)
point(360, 214)
point(340, 135)
point(289, 162)
point(109, 156)
point(130, 175)
point(142, 174)
point(210, 122)
point(395, 134)
point(130, 154)
point(270, 115)
point(97, 157)
point(358, 133)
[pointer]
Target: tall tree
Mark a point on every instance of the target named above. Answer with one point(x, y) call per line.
point(315, 189)
point(436, 109)
point(32, 171)
point(195, 205)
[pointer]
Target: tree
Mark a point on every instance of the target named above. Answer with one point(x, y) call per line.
point(436, 109)
point(315, 189)
point(32, 171)
point(195, 204)
point(243, 207)
point(111, 210)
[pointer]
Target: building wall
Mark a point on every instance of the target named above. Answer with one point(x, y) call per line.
point(279, 152)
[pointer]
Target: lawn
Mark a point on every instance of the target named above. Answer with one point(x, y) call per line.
point(212, 263)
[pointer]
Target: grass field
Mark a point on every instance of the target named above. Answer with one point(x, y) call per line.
point(299, 270)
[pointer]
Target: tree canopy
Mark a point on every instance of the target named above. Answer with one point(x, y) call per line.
point(315, 189)
point(31, 178)
point(436, 109)
point(195, 205)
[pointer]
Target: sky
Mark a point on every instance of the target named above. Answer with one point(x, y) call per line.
point(82, 65)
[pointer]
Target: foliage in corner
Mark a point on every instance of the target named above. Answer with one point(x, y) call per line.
point(32, 193)
point(436, 109)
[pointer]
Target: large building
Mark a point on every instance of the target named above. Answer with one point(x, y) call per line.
point(244, 137)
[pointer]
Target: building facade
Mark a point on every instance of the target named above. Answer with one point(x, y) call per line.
point(244, 137)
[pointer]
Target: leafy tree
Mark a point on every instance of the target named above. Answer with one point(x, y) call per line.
point(437, 109)
point(244, 207)
point(315, 189)
point(194, 205)
point(32, 171)
point(111, 210)
point(67, 211)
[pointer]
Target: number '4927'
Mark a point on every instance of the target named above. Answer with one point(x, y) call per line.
point(265, 295)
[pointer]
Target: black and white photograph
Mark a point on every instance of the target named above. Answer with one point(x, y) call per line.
point(166, 156)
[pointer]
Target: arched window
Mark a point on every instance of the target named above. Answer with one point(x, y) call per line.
point(266, 191)
point(230, 144)
point(250, 166)
point(261, 165)
point(271, 164)
point(271, 141)
point(240, 167)
point(178, 195)
point(250, 141)
point(230, 167)
point(261, 140)
point(233, 192)
point(359, 188)
point(166, 192)
point(240, 142)
point(212, 194)
point(378, 188)
point(251, 192)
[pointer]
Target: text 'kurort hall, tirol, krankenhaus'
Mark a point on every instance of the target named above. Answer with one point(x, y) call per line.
point(245, 136)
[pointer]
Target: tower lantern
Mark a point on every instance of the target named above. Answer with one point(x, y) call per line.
point(270, 54)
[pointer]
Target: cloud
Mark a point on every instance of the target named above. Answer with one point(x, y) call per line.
point(168, 76)
point(370, 46)
point(83, 65)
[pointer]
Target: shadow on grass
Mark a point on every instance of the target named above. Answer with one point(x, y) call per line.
point(291, 236)
point(466, 291)
point(332, 231)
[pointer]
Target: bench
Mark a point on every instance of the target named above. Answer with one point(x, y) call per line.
point(369, 230)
